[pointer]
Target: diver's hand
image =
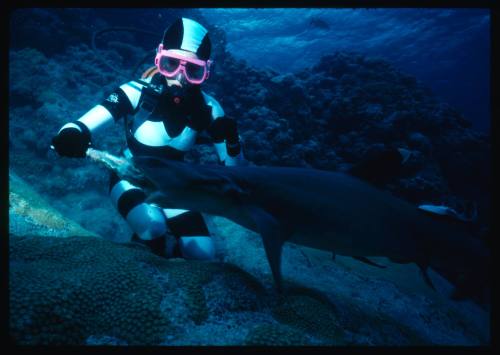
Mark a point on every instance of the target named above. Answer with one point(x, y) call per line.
point(71, 142)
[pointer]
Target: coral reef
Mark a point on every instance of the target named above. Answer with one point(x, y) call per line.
point(190, 277)
point(212, 287)
point(348, 104)
point(87, 290)
point(64, 290)
point(275, 335)
point(311, 313)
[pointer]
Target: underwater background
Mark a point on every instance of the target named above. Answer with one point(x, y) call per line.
point(318, 88)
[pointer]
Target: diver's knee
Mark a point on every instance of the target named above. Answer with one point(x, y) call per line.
point(199, 248)
point(147, 221)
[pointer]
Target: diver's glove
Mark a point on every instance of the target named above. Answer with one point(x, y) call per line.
point(72, 141)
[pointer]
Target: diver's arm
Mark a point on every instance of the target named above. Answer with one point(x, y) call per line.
point(74, 138)
point(224, 133)
point(122, 101)
point(227, 142)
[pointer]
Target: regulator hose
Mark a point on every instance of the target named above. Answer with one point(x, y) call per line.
point(123, 29)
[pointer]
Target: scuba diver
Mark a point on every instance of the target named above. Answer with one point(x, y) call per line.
point(169, 110)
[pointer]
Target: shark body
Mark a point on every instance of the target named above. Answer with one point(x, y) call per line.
point(324, 210)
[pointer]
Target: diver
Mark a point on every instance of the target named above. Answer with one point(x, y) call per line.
point(164, 112)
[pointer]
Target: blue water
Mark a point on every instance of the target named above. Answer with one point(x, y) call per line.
point(447, 49)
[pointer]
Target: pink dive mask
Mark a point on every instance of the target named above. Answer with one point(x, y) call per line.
point(170, 63)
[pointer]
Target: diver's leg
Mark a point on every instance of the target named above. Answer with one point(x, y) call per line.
point(194, 240)
point(146, 220)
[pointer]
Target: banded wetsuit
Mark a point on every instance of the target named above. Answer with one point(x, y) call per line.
point(161, 124)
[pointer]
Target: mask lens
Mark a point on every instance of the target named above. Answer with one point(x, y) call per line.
point(194, 71)
point(169, 64)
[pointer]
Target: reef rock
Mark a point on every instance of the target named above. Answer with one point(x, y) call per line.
point(30, 213)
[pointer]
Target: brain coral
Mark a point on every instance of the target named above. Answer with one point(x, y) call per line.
point(310, 312)
point(62, 291)
point(81, 290)
point(211, 287)
point(275, 335)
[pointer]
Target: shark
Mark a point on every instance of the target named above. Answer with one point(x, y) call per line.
point(326, 210)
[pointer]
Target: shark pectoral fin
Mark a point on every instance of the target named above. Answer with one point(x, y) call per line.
point(273, 239)
point(368, 261)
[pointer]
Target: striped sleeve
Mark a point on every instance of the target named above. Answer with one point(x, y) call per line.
point(124, 100)
point(224, 133)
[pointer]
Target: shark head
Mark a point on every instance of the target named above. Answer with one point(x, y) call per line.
point(167, 175)
point(197, 187)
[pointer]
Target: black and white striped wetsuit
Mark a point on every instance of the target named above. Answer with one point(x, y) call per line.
point(166, 127)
